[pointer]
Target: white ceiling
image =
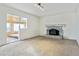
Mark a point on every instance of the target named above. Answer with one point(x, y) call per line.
point(49, 8)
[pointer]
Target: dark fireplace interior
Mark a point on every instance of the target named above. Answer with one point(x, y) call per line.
point(53, 32)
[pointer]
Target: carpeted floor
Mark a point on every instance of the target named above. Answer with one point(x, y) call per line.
point(41, 46)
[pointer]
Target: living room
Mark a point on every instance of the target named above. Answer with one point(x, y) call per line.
point(51, 21)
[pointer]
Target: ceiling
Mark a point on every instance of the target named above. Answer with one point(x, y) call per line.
point(49, 8)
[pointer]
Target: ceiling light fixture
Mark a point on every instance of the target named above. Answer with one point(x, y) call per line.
point(39, 5)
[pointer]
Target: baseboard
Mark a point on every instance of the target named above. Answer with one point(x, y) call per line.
point(19, 40)
point(8, 43)
point(31, 37)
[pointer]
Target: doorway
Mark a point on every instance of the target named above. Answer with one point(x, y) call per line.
point(13, 28)
point(14, 25)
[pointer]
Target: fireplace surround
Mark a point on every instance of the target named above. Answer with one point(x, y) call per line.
point(54, 31)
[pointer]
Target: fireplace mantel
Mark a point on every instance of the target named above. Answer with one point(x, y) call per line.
point(63, 25)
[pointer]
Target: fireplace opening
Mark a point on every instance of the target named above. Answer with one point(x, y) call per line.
point(54, 32)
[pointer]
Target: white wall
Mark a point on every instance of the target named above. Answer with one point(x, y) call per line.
point(77, 23)
point(32, 28)
point(31, 31)
point(2, 26)
point(67, 18)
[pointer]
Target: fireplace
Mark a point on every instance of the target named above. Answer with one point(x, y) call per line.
point(54, 32)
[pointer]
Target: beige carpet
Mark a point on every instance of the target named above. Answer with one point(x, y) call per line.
point(41, 46)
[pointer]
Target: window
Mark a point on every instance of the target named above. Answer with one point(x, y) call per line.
point(12, 23)
point(23, 24)
point(16, 27)
point(15, 23)
point(8, 27)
